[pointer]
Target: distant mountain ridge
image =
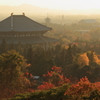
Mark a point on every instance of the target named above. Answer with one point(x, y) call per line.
point(27, 8)
point(30, 9)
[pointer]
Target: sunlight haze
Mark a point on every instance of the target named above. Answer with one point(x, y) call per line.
point(56, 4)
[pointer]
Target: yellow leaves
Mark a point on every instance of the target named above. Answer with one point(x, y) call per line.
point(93, 58)
point(82, 60)
point(65, 46)
point(96, 59)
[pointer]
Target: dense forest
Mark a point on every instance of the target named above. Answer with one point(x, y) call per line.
point(67, 71)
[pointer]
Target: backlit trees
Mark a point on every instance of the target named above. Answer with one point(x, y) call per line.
point(11, 64)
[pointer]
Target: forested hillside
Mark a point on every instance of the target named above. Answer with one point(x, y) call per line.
point(67, 71)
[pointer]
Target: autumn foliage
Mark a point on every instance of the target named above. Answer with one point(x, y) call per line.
point(56, 77)
point(83, 60)
point(12, 78)
point(55, 85)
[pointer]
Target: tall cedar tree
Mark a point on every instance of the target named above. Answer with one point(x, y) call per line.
point(70, 56)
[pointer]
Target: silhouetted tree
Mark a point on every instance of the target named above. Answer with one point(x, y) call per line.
point(70, 56)
point(4, 46)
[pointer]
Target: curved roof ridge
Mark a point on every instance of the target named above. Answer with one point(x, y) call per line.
point(21, 23)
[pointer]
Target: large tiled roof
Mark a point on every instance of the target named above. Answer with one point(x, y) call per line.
point(21, 23)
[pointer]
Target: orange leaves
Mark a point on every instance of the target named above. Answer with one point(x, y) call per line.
point(56, 77)
point(26, 74)
point(56, 69)
point(83, 87)
point(83, 60)
point(51, 73)
point(46, 86)
point(93, 58)
point(96, 59)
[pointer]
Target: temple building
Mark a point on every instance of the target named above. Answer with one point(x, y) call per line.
point(20, 28)
point(47, 20)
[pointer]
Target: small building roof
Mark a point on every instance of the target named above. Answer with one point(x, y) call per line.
point(82, 31)
point(88, 21)
point(36, 77)
point(21, 23)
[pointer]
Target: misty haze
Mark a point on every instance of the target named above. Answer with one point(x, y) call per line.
point(35, 11)
point(49, 50)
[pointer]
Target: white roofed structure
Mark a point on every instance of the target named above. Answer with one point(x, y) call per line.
point(88, 21)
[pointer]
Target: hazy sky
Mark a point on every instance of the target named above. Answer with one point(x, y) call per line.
point(56, 4)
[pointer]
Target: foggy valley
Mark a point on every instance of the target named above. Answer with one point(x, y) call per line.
point(51, 51)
